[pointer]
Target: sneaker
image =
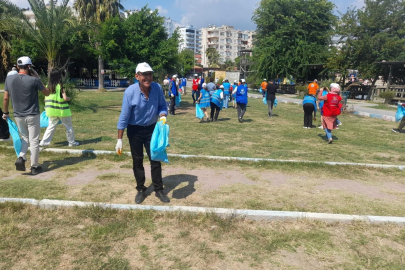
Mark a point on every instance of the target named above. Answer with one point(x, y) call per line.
point(162, 197)
point(36, 170)
point(395, 130)
point(20, 164)
point(321, 127)
point(140, 197)
point(330, 141)
point(5, 140)
point(304, 127)
point(73, 144)
point(240, 120)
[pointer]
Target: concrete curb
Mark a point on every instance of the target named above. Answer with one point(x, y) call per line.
point(364, 114)
point(102, 152)
point(223, 212)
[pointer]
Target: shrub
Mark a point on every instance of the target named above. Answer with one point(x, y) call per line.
point(387, 96)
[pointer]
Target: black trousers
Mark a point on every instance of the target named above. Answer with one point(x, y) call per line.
point(241, 109)
point(4, 131)
point(140, 137)
point(308, 111)
point(172, 104)
point(214, 111)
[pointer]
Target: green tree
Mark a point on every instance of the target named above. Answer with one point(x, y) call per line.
point(139, 38)
point(213, 56)
point(291, 34)
point(228, 65)
point(53, 26)
point(186, 60)
point(369, 35)
point(98, 11)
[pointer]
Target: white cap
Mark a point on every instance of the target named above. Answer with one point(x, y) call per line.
point(13, 72)
point(174, 76)
point(235, 81)
point(264, 80)
point(204, 85)
point(334, 85)
point(243, 80)
point(195, 75)
point(315, 80)
point(24, 60)
point(222, 87)
point(143, 67)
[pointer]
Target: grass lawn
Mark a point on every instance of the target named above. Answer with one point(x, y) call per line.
point(92, 238)
point(281, 137)
point(1, 86)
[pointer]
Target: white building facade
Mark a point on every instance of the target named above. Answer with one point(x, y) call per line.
point(170, 26)
point(190, 38)
point(227, 40)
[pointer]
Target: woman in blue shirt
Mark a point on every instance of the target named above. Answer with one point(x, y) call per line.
point(204, 100)
point(227, 92)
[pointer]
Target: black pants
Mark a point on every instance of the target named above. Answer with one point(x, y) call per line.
point(4, 131)
point(172, 104)
point(308, 111)
point(139, 137)
point(241, 109)
point(214, 111)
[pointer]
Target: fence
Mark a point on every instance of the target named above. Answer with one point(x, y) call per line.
point(94, 83)
point(399, 92)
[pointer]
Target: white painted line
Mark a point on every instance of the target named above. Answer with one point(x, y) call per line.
point(99, 152)
point(224, 212)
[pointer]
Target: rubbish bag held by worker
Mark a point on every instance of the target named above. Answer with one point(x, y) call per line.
point(199, 112)
point(159, 142)
point(15, 136)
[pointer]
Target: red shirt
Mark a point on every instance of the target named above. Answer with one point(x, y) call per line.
point(196, 82)
point(332, 107)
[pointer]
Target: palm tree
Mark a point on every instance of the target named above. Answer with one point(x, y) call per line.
point(98, 11)
point(52, 27)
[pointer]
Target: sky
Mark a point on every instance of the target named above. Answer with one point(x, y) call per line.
point(200, 13)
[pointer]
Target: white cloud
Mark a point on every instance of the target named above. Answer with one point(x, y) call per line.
point(162, 11)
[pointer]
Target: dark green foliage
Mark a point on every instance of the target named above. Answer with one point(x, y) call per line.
point(291, 34)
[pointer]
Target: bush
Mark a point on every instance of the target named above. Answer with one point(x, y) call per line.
point(302, 90)
point(387, 96)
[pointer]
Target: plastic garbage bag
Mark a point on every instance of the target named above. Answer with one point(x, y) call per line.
point(178, 99)
point(15, 136)
point(199, 112)
point(159, 142)
point(275, 103)
point(400, 113)
point(44, 120)
point(265, 99)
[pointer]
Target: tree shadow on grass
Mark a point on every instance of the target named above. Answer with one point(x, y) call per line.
point(172, 181)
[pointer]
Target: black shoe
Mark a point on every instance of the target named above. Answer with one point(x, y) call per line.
point(20, 164)
point(162, 197)
point(36, 170)
point(140, 197)
point(240, 120)
point(395, 130)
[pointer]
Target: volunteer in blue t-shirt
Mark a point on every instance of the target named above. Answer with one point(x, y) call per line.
point(241, 99)
point(309, 106)
point(227, 92)
point(184, 84)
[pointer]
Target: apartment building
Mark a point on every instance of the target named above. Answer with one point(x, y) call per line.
point(170, 26)
point(227, 40)
point(190, 38)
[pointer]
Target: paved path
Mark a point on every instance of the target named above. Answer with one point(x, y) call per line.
point(360, 107)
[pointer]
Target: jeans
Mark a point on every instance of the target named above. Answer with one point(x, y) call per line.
point(50, 130)
point(30, 129)
point(214, 110)
point(241, 109)
point(140, 137)
point(308, 111)
point(328, 133)
point(226, 100)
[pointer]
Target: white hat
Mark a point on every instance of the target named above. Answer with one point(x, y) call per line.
point(174, 76)
point(13, 72)
point(264, 80)
point(24, 60)
point(204, 85)
point(243, 80)
point(143, 67)
point(315, 80)
point(235, 81)
point(195, 75)
point(222, 87)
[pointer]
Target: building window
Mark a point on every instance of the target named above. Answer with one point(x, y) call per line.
point(222, 33)
point(222, 40)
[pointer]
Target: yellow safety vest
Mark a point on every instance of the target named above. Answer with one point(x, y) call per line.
point(56, 106)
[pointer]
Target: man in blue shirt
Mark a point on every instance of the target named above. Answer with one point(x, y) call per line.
point(143, 104)
point(211, 86)
point(173, 92)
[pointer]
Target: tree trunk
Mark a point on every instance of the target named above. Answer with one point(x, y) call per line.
point(370, 95)
point(100, 76)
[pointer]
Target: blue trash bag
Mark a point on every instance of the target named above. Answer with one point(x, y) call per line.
point(400, 113)
point(178, 100)
point(265, 99)
point(44, 120)
point(275, 103)
point(159, 142)
point(199, 112)
point(260, 90)
point(15, 136)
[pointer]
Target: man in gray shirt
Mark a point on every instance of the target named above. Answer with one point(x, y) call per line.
point(211, 86)
point(23, 89)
